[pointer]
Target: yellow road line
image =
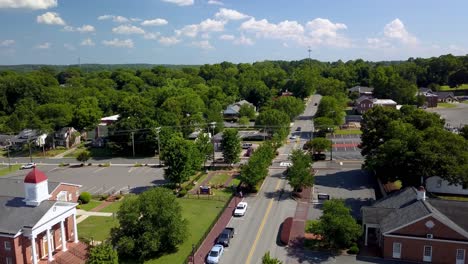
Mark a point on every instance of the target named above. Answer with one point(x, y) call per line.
point(262, 225)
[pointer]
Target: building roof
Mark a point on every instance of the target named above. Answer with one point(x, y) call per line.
point(233, 109)
point(17, 215)
point(110, 118)
point(384, 102)
point(403, 207)
point(362, 98)
point(425, 90)
point(35, 176)
point(443, 95)
point(15, 187)
point(361, 89)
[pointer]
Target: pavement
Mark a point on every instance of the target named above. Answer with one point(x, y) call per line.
point(345, 147)
point(455, 117)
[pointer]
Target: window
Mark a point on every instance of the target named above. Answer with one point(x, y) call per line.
point(427, 256)
point(9, 260)
point(70, 198)
point(7, 245)
point(460, 256)
point(62, 196)
point(439, 183)
point(396, 250)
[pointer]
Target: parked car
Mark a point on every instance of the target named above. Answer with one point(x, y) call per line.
point(246, 145)
point(225, 237)
point(241, 208)
point(215, 254)
point(315, 104)
point(319, 156)
point(298, 129)
point(28, 166)
point(293, 137)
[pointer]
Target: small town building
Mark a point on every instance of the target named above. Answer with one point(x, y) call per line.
point(431, 99)
point(364, 103)
point(361, 90)
point(232, 110)
point(37, 219)
point(446, 97)
point(408, 226)
point(436, 184)
point(67, 137)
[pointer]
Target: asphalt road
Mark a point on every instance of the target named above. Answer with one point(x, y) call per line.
point(98, 180)
point(455, 117)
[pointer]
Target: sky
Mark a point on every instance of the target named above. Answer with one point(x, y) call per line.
point(213, 31)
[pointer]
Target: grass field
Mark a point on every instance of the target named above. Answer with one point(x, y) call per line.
point(112, 208)
point(4, 170)
point(96, 227)
point(92, 204)
point(453, 197)
point(446, 105)
point(218, 179)
point(347, 132)
point(447, 88)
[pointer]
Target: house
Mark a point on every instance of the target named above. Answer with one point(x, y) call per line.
point(408, 226)
point(365, 103)
point(361, 90)
point(101, 130)
point(436, 184)
point(37, 219)
point(431, 99)
point(67, 137)
point(446, 97)
point(232, 110)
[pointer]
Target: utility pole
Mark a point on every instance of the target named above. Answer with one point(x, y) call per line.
point(309, 50)
point(158, 129)
point(133, 142)
point(213, 125)
point(8, 153)
point(29, 145)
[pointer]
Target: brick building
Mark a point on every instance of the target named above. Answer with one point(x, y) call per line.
point(408, 226)
point(37, 218)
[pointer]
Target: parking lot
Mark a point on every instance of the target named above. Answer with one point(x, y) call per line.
point(455, 117)
point(99, 180)
point(345, 147)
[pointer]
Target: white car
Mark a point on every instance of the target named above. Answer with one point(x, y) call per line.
point(293, 137)
point(286, 164)
point(215, 254)
point(240, 209)
point(28, 166)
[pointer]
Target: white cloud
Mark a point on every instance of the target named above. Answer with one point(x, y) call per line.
point(50, 18)
point(69, 46)
point(204, 44)
point(169, 41)
point(45, 45)
point(396, 30)
point(154, 22)
point(135, 19)
point(230, 14)
point(211, 25)
point(215, 2)
point(226, 37)
point(118, 19)
point(82, 29)
point(205, 36)
point(7, 43)
point(124, 43)
point(189, 31)
point(243, 40)
point(28, 4)
point(87, 42)
point(321, 27)
point(283, 30)
point(180, 2)
point(150, 35)
point(378, 43)
point(128, 29)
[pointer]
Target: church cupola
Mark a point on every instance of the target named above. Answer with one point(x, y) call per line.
point(36, 187)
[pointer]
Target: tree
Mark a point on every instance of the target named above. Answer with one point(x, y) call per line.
point(102, 254)
point(318, 145)
point(182, 159)
point(83, 156)
point(267, 259)
point(87, 113)
point(464, 132)
point(204, 146)
point(323, 123)
point(244, 121)
point(300, 173)
point(257, 167)
point(247, 110)
point(230, 144)
point(151, 224)
point(274, 121)
point(332, 108)
point(338, 228)
point(291, 105)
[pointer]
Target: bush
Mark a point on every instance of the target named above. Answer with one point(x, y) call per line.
point(85, 197)
point(353, 250)
point(138, 165)
point(182, 193)
point(104, 197)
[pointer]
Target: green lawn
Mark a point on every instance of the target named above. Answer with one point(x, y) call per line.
point(218, 179)
point(347, 132)
point(454, 198)
point(92, 204)
point(96, 227)
point(112, 208)
point(446, 105)
point(4, 170)
point(447, 88)
point(200, 214)
point(465, 102)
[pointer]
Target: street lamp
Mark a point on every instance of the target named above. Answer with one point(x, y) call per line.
point(158, 129)
point(213, 125)
point(331, 149)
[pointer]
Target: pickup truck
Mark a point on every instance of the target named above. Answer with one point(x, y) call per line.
point(225, 236)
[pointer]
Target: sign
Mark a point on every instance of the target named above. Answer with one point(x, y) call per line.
point(323, 196)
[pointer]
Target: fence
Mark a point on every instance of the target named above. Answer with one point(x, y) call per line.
point(207, 197)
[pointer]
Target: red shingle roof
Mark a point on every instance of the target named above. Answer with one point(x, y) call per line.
point(35, 176)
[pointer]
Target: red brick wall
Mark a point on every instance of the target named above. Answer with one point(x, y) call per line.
point(412, 250)
point(6, 253)
point(439, 230)
point(68, 188)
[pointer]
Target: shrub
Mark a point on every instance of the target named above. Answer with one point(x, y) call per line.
point(182, 193)
point(85, 197)
point(104, 197)
point(353, 250)
point(138, 165)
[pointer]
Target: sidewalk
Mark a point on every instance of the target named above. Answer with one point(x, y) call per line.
point(85, 214)
point(61, 155)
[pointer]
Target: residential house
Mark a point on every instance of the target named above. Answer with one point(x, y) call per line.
point(365, 103)
point(446, 97)
point(67, 137)
point(408, 226)
point(232, 110)
point(361, 90)
point(436, 184)
point(38, 220)
point(431, 99)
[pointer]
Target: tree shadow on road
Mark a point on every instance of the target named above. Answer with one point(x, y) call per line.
point(349, 180)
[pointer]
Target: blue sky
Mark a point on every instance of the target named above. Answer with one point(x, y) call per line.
point(212, 31)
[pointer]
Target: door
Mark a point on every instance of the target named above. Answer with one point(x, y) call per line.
point(427, 257)
point(45, 247)
point(396, 250)
point(460, 256)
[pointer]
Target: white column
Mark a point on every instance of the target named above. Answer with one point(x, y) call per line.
point(64, 239)
point(33, 248)
point(75, 229)
point(49, 245)
point(365, 238)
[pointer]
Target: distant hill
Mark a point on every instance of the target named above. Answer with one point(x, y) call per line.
point(90, 67)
